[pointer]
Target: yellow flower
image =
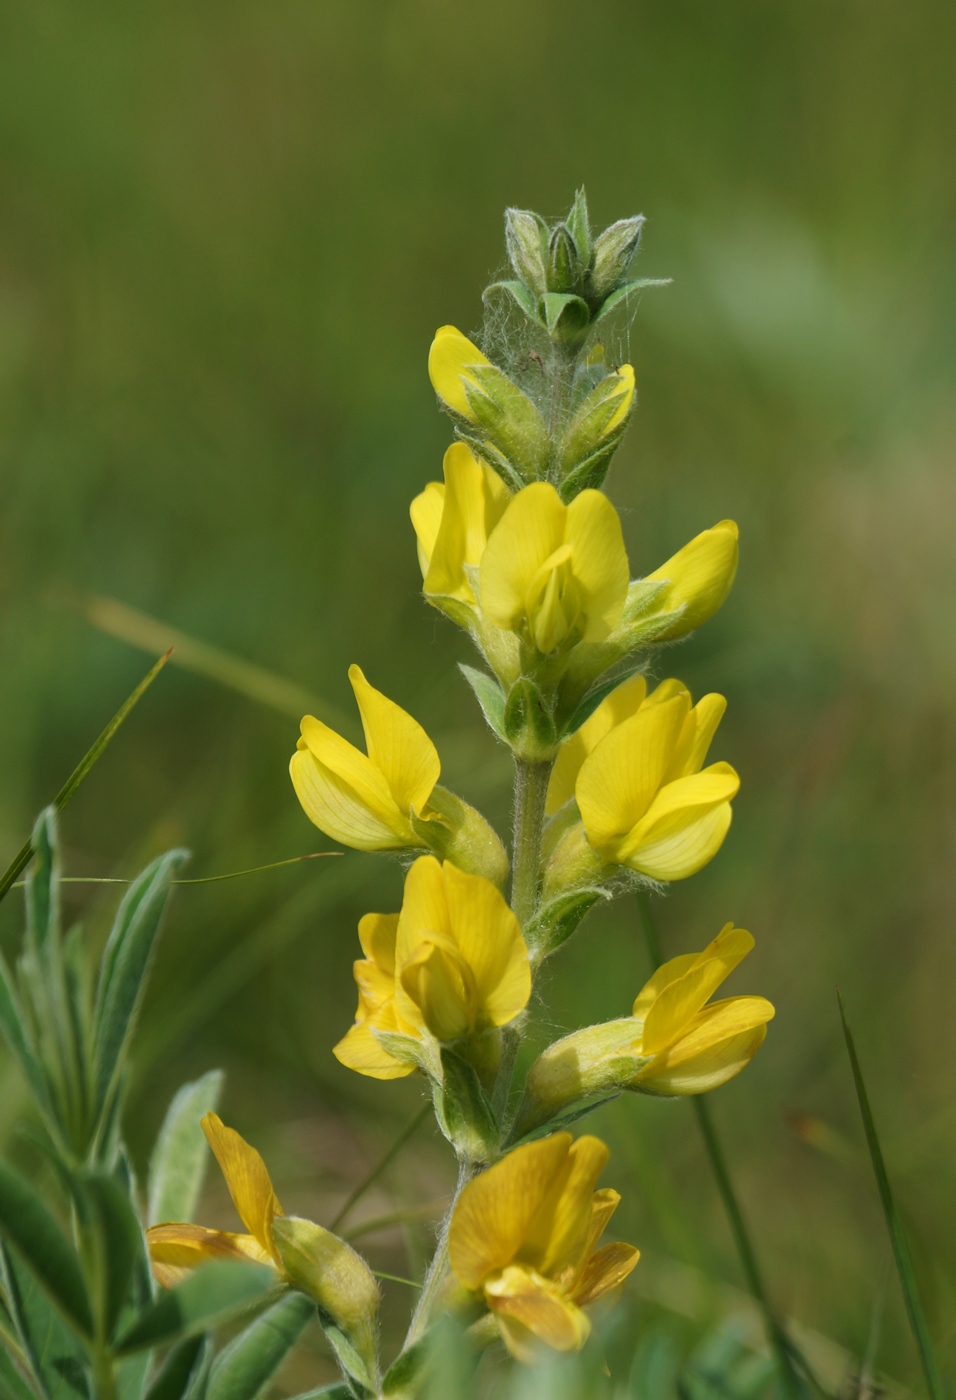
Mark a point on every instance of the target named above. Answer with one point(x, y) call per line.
point(365, 802)
point(699, 577)
point(696, 1044)
point(644, 801)
point(676, 1041)
point(559, 573)
point(176, 1249)
point(453, 522)
point(453, 963)
point(449, 359)
point(303, 1254)
point(524, 1235)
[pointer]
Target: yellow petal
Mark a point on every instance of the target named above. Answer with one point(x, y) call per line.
point(375, 987)
point(685, 826)
point(426, 513)
point(344, 794)
point(441, 984)
point(618, 781)
point(599, 561)
point(397, 745)
point(490, 941)
point(530, 530)
point(695, 738)
point(377, 935)
point(176, 1249)
point(667, 973)
point(603, 1205)
point(680, 1002)
point(494, 1211)
point(361, 1051)
point(250, 1185)
point(626, 373)
point(625, 700)
point(557, 1238)
point(701, 575)
point(424, 914)
point(606, 1269)
point(474, 501)
point(722, 1040)
point(450, 356)
point(521, 1297)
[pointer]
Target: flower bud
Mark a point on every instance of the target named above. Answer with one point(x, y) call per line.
point(698, 579)
point(458, 832)
point(526, 238)
point(340, 1281)
point(451, 360)
point(614, 250)
point(564, 270)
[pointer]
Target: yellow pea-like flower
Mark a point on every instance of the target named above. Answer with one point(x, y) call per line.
point(302, 1253)
point(624, 700)
point(644, 797)
point(524, 1235)
point(449, 359)
point(558, 574)
point(453, 963)
point(695, 1044)
point(676, 1040)
point(362, 800)
point(698, 578)
point(453, 521)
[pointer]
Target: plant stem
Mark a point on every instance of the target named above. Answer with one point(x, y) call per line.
point(437, 1269)
point(776, 1335)
point(531, 788)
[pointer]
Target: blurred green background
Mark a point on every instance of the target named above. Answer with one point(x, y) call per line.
point(227, 233)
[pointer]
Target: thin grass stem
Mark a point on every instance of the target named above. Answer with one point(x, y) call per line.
point(22, 859)
point(381, 1165)
point(201, 880)
point(894, 1224)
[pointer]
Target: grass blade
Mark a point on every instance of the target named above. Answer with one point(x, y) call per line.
point(894, 1225)
point(22, 859)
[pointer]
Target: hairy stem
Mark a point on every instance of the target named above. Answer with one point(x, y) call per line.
point(531, 788)
point(438, 1268)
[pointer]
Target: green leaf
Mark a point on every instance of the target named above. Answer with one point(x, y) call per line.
point(22, 859)
point(519, 292)
point(490, 697)
point(18, 1040)
point(42, 890)
point(244, 1369)
point(407, 1368)
point(465, 1114)
point(179, 1159)
point(180, 1368)
point(27, 1224)
point(580, 225)
point(528, 723)
point(337, 1391)
point(628, 289)
point(557, 920)
point(894, 1225)
point(12, 1384)
point(53, 1352)
point(594, 698)
point(210, 1295)
point(348, 1358)
point(566, 316)
point(106, 1212)
point(563, 1120)
point(126, 962)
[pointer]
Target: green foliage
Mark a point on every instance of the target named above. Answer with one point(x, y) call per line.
point(246, 1366)
point(178, 1164)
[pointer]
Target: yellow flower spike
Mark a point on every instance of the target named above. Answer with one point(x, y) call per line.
point(449, 359)
point(698, 577)
point(462, 963)
point(524, 1233)
point(365, 801)
point(453, 522)
point(676, 1041)
point(375, 979)
point(644, 799)
point(557, 573)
